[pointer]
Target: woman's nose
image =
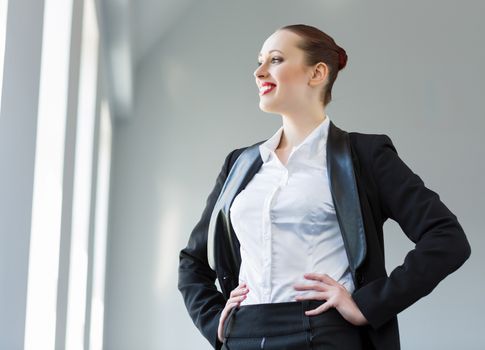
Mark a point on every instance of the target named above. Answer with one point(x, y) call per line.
point(260, 71)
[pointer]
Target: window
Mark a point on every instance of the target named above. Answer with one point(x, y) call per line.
point(81, 208)
point(40, 324)
point(100, 230)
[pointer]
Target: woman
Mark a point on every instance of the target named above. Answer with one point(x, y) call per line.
point(293, 227)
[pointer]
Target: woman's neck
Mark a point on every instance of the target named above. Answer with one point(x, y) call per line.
point(295, 130)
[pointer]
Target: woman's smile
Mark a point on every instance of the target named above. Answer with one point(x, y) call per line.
point(266, 88)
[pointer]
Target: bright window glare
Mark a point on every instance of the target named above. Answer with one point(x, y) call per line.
point(3, 29)
point(48, 177)
point(86, 114)
point(100, 229)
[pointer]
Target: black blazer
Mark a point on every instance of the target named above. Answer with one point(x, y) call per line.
point(369, 184)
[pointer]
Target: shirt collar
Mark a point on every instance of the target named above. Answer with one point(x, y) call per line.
point(312, 144)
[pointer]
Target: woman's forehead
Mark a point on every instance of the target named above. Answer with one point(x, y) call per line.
point(284, 41)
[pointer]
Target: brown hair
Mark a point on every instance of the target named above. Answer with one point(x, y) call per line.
point(320, 47)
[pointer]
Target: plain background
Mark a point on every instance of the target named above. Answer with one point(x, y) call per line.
point(415, 72)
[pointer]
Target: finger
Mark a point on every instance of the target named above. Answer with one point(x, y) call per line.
point(239, 291)
point(235, 291)
point(233, 304)
point(225, 314)
point(241, 285)
point(314, 286)
point(314, 296)
point(320, 277)
point(327, 279)
point(237, 299)
point(227, 310)
point(322, 308)
point(234, 301)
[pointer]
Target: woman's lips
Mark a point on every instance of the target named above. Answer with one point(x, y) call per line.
point(267, 91)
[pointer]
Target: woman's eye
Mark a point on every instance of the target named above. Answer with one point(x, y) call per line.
point(272, 60)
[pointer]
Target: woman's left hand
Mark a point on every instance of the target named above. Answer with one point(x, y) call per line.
point(335, 294)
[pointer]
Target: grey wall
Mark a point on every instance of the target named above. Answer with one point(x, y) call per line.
point(415, 72)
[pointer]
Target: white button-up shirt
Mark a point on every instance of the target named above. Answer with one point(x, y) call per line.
point(286, 223)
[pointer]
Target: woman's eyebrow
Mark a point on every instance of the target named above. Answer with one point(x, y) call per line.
point(270, 52)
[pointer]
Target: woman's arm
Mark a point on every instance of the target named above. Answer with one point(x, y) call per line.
point(196, 279)
point(441, 245)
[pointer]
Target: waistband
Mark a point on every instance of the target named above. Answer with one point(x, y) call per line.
point(271, 319)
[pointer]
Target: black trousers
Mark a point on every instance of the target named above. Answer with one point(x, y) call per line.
point(284, 326)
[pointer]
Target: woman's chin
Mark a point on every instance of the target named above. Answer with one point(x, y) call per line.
point(267, 107)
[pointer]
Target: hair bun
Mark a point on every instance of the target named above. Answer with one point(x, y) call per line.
point(342, 58)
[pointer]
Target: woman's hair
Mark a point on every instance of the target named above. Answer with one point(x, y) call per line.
point(320, 47)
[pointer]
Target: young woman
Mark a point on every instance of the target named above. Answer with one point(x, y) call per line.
point(292, 229)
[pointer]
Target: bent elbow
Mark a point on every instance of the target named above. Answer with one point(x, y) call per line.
point(462, 250)
point(466, 250)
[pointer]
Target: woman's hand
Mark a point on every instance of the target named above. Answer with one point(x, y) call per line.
point(237, 295)
point(335, 294)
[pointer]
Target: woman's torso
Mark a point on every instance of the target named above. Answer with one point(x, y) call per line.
point(286, 223)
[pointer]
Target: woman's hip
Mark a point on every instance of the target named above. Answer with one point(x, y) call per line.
point(285, 326)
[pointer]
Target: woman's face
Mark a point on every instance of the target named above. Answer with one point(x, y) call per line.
point(291, 89)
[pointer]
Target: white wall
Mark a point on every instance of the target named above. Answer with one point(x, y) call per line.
point(415, 72)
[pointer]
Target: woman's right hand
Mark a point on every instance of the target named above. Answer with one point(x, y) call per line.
point(237, 295)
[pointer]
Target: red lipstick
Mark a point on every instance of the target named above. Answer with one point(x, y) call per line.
point(266, 91)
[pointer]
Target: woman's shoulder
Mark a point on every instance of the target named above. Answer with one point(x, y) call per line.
point(361, 137)
point(237, 151)
point(366, 142)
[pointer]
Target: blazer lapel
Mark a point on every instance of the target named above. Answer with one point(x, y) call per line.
point(345, 196)
point(242, 171)
point(343, 188)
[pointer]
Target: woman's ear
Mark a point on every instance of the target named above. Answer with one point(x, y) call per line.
point(319, 74)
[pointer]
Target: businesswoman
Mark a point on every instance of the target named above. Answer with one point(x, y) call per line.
point(292, 229)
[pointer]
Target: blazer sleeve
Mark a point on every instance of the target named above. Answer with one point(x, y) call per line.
point(441, 245)
point(195, 277)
